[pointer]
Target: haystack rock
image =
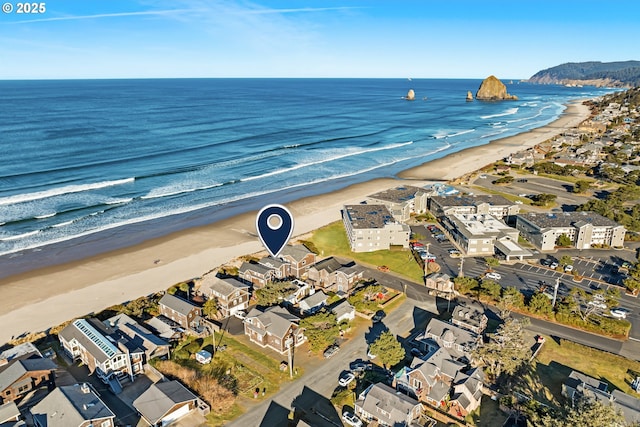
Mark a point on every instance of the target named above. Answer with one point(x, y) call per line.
point(492, 89)
point(469, 96)
point(411, 95)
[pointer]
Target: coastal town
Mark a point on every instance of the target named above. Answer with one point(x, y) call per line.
point(507, 296)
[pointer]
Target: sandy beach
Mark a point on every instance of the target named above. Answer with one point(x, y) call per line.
point(40, 299)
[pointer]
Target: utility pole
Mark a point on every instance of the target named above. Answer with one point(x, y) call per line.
point(555, 292)
point(460, 272)
point(289, 344)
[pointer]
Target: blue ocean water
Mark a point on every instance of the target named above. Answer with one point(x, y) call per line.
point(83, 157)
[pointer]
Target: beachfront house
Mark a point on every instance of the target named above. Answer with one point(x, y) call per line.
point(373, 228)
point(280, 268)
point(72, 406)
point(274, 328)
point(439, 282)
point(300, 258)
point(401, 201)
point(585, 229)
point(180, 311)
point(122, 327)
point(113, 357)
point(331, 275)
point(231, 294)
point(256, 274)
point(381, 404)
point(21, 376)
point(166, 402)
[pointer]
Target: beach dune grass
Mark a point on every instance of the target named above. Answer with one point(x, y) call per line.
point(332, 240)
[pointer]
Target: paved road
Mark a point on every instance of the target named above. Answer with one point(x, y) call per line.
point(322, 375)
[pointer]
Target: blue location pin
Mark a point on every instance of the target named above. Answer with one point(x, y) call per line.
point(275, 226)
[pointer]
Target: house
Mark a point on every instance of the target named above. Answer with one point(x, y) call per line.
point(165, 328)
point(231, 294)
point(373, 228)
point(496, 206)
point(256, 274)
point(302, 291)
point(72, 406)
point(112, 359)
point(344, 311)
point(300, 258)
point(439, 282)
point(280, 267)
point(470, 315)
point(585, 229)
point(330, 275)
point(580, 386)
point(23, 351)
point(181, 311)
point(163, 403)
point(429, 379)
point(380, 403)
point(401, 201)
point(20, 376)
point(273, 328)
point(467, 392)
point(122, 326)
point(313, 303)
point(458, 341)
point(10, 415)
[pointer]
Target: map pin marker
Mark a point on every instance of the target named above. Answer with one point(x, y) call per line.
point(275, 226)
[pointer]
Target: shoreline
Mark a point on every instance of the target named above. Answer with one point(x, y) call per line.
point(39, 299)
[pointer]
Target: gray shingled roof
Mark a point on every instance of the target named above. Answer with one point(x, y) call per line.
point(275, 319)
point(157, 401)
point(272, 262)
point(629, 405)
point(398, 406)
point(329, 265)
point(343, 307)
point(70, 406)
point(223, 286)
point(315, 299)
point(15, 369)
point(467, 200)
point(297, 252)
point(8, 411)
point(177, 304)
point(258, 268)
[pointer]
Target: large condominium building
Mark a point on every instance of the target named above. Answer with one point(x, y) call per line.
point(583, 228)
point(496, 206)
point(402, 201)
point(373, 228)
point(481, 234)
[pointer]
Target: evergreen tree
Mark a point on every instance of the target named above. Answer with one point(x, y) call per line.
point(388, 349)
point(210, 308)
point(320, 329)
point(507, 349)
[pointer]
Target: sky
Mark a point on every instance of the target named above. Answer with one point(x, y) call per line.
point(320, 38)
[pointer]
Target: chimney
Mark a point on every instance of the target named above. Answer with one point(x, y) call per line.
point(85, 388)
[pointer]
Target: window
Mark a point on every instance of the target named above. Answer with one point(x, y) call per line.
point(23, 388)
point(105, 423)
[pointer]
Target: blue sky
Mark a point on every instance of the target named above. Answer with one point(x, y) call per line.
point(321, 38)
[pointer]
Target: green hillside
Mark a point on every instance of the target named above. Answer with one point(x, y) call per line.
point(624, 73)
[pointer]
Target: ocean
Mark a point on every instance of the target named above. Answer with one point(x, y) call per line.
point(93, 165)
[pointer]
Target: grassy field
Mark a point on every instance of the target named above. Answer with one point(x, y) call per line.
point(524, 200)
point(332, 240)
point(556, 360)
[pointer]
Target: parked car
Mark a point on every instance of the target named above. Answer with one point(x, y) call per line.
point(346, 378)
point(359, 366)
point(568, 268)
point(330, 351)
point(598, 304)
point(383, 268)
point(493, 276)
point(371, 355)
point(351, 419)
point(618, 313)
point(553, 265)
point(544, 262)
point(240, 314)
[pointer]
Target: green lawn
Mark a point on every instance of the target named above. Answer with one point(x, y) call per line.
point(558, 360)
point(524, 200)
point(332, 240)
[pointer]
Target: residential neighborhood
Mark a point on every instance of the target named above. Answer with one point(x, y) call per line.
point(423, 306)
